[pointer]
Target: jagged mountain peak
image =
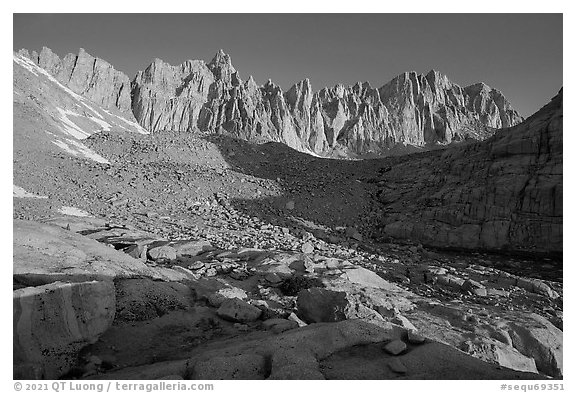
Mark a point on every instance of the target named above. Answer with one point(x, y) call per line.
point(250, 84)
point(478, 86)
point(305, 83)
point(221, 65)
point(481, 87)
point(221, 57)
point(436, 73)
point(270, 87)
point(435, 77)
point(304, 86)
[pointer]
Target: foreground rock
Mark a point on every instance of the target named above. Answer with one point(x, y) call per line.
point(323, 305)
point(237, 310)
point(318, 352)
point(248, 292)
point(45, 253)
point(53, 322)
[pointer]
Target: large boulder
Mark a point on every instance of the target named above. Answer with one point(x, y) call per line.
point(191, 248)
point(536, 337)
point(493, 351)
point(162, 253)
point(367, 278)
point(323, 305)
point(237, 310)
point(52, 322)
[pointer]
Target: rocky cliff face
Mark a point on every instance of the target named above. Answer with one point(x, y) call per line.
point(167, 97)
point(245, 109)
point(501, 194)
point(412, 109)
point(427, 109)
point(88, 76)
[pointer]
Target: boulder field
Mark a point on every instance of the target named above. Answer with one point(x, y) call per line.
point(84, 310)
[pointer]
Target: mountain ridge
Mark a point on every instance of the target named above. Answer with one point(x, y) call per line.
point(416, 110)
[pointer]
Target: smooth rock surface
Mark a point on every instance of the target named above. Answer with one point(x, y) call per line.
point(46, 253)
point(395, 347)
point(52, 322)
point(236, 310)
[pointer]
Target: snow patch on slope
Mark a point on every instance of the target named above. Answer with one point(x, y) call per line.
point(133, 124)
point(69, 127)
point(74, 211)
point(97, 118)
point(78, 149)
point(19, 192)
point(35, 69)
point(105, 126)
point(26, 63)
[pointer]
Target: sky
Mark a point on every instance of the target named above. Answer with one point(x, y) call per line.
point(518, 54)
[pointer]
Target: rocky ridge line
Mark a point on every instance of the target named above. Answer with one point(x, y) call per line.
point(89, 76)
point(412, 111)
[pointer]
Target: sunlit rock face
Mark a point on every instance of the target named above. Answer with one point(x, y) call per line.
point(88, 76)
point(411, 110)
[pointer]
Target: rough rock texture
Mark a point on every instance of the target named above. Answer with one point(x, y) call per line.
point(538, 338)
point(430, 108)
point(142, 299)
point(171, 97)
point(235, 367)
point(501, 194)
point(52, 322)
point(359, 120)
point(87, 76)
point(493, 351)
point(342, 350)
point(322, 305)
point(50, 118)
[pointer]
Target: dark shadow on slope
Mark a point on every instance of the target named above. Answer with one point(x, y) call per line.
point(354, 193)
point(327, 192)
